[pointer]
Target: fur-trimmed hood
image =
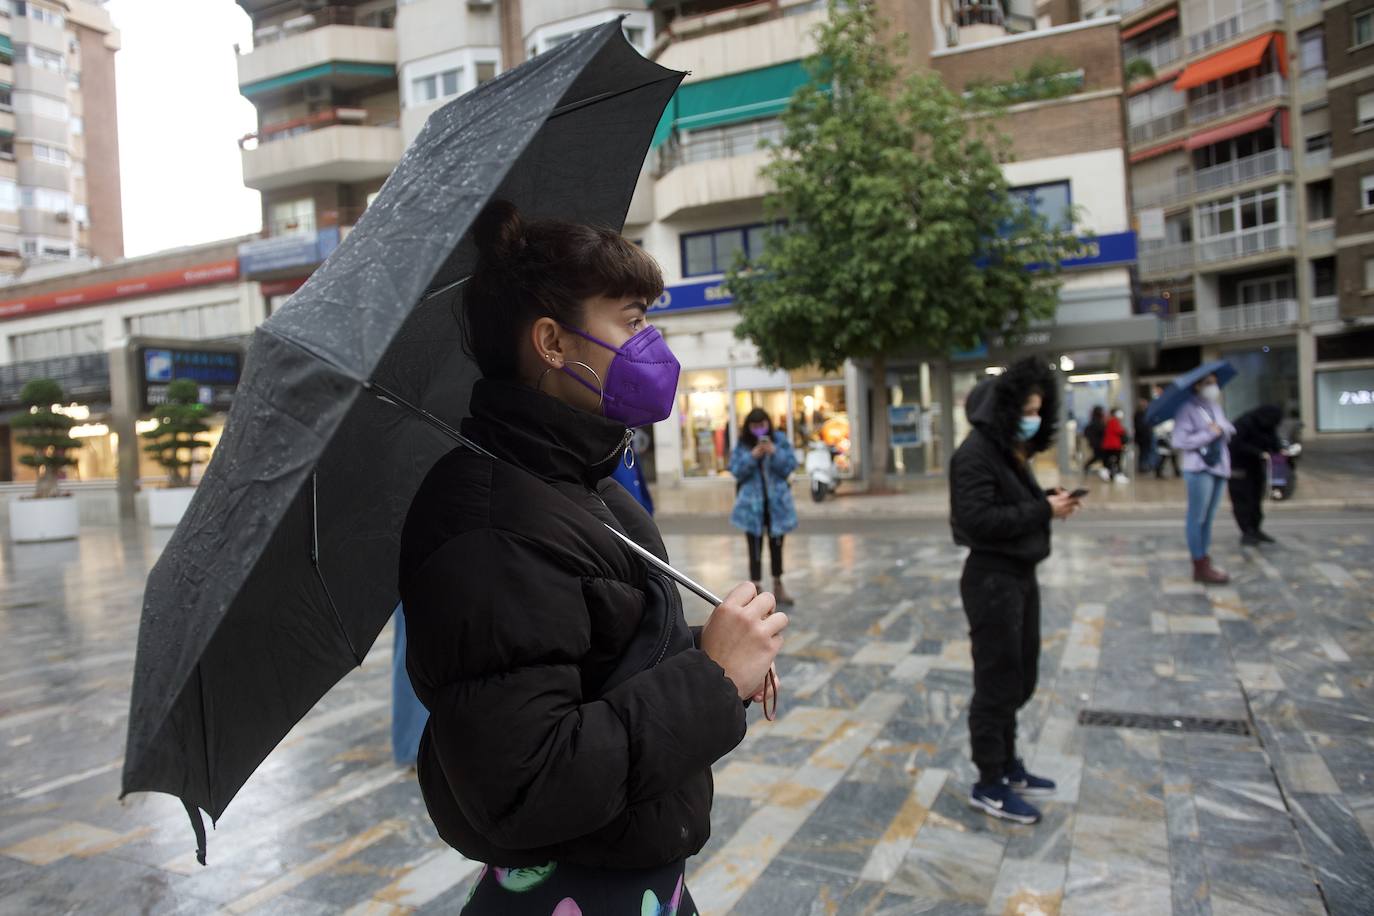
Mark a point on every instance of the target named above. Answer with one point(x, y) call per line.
point(994, 405)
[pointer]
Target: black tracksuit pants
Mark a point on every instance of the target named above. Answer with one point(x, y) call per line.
point(1003, 609)
point(755, 542)
point(1247, 497)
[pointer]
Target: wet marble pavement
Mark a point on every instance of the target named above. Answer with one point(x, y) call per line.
point(853, 802)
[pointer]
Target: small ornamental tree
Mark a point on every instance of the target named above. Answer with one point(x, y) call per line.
point(902, 235)
point(173, 443)
point(46, 434)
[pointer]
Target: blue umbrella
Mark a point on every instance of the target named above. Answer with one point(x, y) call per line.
point(1180, 390)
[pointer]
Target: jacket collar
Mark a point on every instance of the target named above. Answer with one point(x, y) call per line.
point(543, 435)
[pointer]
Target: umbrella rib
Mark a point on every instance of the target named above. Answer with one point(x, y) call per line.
point(605, 96)
point(315, 563)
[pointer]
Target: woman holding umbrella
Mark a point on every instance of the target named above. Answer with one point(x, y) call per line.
point(583, 787)
point(1201, 432)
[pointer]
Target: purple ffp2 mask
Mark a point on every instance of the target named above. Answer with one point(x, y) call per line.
point(642, 381)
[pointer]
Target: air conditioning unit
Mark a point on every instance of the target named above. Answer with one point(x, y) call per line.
point(951, 35)
point(481, 4)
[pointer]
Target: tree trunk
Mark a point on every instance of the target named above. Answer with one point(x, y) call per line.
point(47, 483)
point(881, 433)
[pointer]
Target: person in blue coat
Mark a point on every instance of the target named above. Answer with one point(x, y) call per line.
point(761, 462)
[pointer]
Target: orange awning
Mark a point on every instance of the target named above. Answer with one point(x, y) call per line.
point(1154, 151)
point(1232, 60)
point(1234, 129)
point(1143, 27)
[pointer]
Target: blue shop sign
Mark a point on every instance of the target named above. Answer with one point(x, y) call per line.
point(1103, 251)
point(683, 297)
point(300, 249)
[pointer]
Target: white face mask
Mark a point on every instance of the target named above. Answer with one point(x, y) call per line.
point(1211, 392)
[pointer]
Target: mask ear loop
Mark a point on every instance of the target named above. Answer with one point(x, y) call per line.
point(600, 388)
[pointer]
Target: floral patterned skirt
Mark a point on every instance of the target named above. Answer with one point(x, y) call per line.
point(571, 890)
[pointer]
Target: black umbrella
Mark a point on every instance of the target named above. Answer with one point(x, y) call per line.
point(283, 571)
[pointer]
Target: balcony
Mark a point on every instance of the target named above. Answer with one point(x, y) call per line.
point(351, 55)
point(340, 147)
point(1161, 194)
point(1245, 95)
point(706, 185)
point(1246, 243)
point(1321, 235)
point(1130, 7)
point(1239, 171)
point(1162, 126)
point(718, 143)
point(1248, 19)
point(969, 15)
point(1163, 258)
point(1159, 55)
point(1325, 308)
point(1236, 319)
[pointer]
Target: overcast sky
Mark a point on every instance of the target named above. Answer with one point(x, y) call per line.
point(180, 117)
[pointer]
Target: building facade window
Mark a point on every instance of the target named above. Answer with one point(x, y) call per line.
point(424, 89)
point(39, 13)
point(1367, 192)
point(1052, 201)
point(1312, 50)
point(82, 214)
point(1319, 201)
point(714, 252)
point(41, 105)
point(78, 125)
point(485, 70)
point(1253, 210)
point(1362, 28)
point(204, 322)
point(1364, 109)
point(44, 153)
point(46, 199)
point(1369, 273)
point(68, 341)
point(1155, 103)
point(6, 98)
point(9, 194)
point(1317, 142)
point(293, 216)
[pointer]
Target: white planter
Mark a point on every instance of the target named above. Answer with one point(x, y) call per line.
point(166, 507)
point(54, 519)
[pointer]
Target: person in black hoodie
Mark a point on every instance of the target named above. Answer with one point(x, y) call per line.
point(1256, 436)
point(582, 786)
point(999, 511)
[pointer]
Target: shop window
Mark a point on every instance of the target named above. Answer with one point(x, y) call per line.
point(56, 342)
point(714, 252)
point(1362, 29)
point(198, 323)
point(1364, 109)
point(704, 410)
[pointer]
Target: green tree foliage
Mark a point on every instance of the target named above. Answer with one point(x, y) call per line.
point(173, 443)
point(902, 236)
point(47, 435)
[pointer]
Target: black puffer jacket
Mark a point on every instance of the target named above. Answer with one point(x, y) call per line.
point(1256, 434)
point(518, 604)
point(996, 506)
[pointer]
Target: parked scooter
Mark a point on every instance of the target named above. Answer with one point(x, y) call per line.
point(1283, 471)
point(820, 467)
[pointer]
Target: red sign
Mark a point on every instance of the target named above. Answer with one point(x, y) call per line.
point(200, 275)
point(282, 287)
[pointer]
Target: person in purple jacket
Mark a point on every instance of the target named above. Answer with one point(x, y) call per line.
point(1201, 432)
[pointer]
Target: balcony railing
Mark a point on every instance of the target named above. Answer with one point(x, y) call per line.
point(1321, 234)
point(1160, 55)
point(1245, 243)
point(719, 143)
point(1163, 193)
point(1236, 319)
point(1158, 127)
point(1238, 171)
point(1251, 92)
point(317, 19)
point(1130, 7)
point(310, 223)
point(1159, 257)
point(1251, 17)
point(1312, 82)
point(359, 117)
point(1326, 308)
point(1317, 158)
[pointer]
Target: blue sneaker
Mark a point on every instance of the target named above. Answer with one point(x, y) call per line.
point(1026, 783)
point(999, 800)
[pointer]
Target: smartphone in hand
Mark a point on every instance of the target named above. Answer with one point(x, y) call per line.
point(1079, 493)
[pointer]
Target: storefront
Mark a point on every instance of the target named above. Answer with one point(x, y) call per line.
point(722, 382)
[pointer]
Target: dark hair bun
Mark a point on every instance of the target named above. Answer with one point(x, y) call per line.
point(499, 232)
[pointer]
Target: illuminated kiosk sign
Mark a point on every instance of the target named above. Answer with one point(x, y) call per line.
point(217, 373)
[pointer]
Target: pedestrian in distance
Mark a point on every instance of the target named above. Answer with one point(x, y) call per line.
point(1255, 440)
point(1165, 453)
point(1093, 434)
point(999, 511)
point(408, 714)
point(559, 752)
point(1114, 439)
point(1201, 432)
point(762, 462)
point(1147, 455)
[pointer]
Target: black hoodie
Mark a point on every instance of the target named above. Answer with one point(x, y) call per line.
point(1256, 434)
point(996, 506)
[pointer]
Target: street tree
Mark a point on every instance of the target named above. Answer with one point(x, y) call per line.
point(46, 434)
point(175, 441)
point(897, 232)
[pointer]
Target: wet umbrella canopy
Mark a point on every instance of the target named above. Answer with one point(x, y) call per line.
point(283, 571)
point(1180, 390)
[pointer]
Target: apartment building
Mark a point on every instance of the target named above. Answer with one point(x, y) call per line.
point(59, 146)
point(1245, 141)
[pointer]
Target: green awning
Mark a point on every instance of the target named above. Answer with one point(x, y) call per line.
point(6, 48)
point(321, 71)
point(730, 99)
